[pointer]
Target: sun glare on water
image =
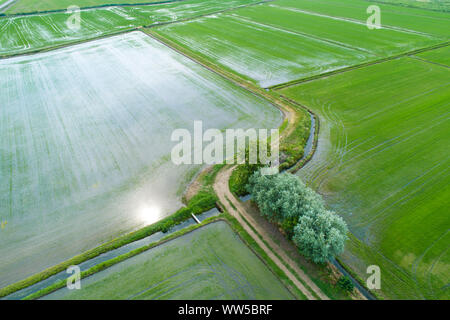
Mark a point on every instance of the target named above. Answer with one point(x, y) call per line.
point(149, 214)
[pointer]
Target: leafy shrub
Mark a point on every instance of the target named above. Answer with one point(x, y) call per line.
point(346, 283)
point(288, 226)
point(240, 177)
point(166, 226)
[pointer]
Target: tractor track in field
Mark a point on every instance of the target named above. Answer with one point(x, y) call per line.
point(428, 61)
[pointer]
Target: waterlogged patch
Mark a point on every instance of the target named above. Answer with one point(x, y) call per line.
point(88, 135)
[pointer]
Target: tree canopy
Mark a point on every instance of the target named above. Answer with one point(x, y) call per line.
point(320, 237)
point(283, 198)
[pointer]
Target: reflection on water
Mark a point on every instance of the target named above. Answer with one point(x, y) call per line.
point(149, 214)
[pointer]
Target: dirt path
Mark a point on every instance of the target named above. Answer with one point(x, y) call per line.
point(292, 118)
point(225, 196)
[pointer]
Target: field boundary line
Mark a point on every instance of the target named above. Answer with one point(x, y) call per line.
point(357, 66)
point(290, 111)
point(103, 6)
point(235, 214)
point(170, 45)
point(396, 4)
point(300, 164)
point(66, 45)
point(428, 61)
point(107, 246)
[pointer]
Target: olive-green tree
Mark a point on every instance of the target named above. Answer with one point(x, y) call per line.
point(321, 236)
point(300, 211)
point(283, 196)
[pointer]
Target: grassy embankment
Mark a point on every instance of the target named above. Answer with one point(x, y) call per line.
point(223, 217)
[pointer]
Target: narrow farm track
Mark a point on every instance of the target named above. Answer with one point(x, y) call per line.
point(235, 208)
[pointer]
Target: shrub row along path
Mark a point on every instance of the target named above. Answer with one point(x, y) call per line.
point(221, 187)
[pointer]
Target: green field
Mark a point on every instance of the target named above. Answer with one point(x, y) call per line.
point(209, 263)
point(412, 19)
point(272, 44)
point(40, 31)
point(24, 6)
point(383, 164)
point(441, 56)
point(257, 52)
point(438, 5)
point(351, 34)
point(86, 141)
